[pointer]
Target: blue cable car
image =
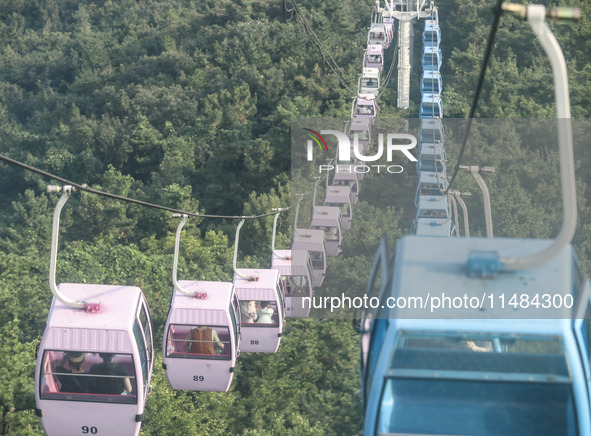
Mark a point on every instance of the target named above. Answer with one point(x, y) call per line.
point(431, 131)
point(431, 58)
point(431, 106)
point(431, 82)
point(431, 34)
point(430, 184)
point(432, 158)
point(480, 369)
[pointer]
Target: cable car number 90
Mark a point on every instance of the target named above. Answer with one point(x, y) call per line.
point(86, 429)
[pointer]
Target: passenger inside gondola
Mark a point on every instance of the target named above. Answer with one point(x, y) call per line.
point(116, 380)
point(331, 234)
point(265, 313)
point(70, 381)
point(203, 340)
point(248, 312)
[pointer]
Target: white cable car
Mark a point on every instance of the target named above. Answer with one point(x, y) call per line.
point(379, 34)
point(262, 306)
point(96, 356)
point(374, 57)
point(202, 333)
point(313, 242)
point(369, 81)
point(435, 207)
point(329, 220)
point(340, 196)
point(295, 269)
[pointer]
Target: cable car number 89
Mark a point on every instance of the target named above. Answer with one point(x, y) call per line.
point(91, 430)
point(198, 378)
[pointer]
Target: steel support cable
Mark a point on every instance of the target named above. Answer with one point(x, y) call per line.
point(86, 188)
point(389, 74)
point(333, 65)
point(493, 31)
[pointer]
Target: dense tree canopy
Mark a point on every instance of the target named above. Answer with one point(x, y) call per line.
point(188, 104)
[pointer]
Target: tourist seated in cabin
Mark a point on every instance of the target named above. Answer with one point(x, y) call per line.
point(248, 312)
point(331, 234)
point(71, 382)
point(265, 313)
point(117, 382)
point(203, 340)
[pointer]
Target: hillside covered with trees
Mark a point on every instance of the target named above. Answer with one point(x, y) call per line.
point(188, 104)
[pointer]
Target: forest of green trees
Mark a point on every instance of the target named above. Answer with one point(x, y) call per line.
point(188, 104)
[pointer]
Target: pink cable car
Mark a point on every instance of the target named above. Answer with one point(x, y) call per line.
point(68, 379)
point(313, 241)
point(340, 196)
point(374, 56)
point(365, 106)
point(295, 269)
point(96, 358)
point(343, 177)
point(389, 24)
point(202, 335)
point(360, 128)
point(262, 306)
point(329, 219)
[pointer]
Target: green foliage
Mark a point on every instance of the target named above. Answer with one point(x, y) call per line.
point(189, 105)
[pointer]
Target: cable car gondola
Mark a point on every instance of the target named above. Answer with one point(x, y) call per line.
point(262, 306)
point(340, 196)
point(330, 221)
point(313, 241)
point(202, 333)
point(346, 176)
point(369, 81)
point(96, 356)
point(365, 106)
point(374, 57)
point(295, 269)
